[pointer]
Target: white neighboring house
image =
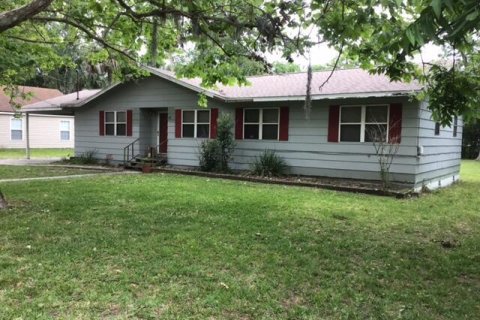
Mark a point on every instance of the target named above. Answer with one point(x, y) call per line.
point(45, 130)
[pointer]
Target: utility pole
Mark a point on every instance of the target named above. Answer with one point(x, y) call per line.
point(27, 133)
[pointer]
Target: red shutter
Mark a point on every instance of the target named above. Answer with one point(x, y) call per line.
point(333, 123)
point(101, 123)
point(178, 123)
point(239, 123)
point(129, 122)
point(213, 123)
point(284, 119)
point(395, 123)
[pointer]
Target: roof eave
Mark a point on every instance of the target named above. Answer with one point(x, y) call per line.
point(331, 96)
point(92, 97)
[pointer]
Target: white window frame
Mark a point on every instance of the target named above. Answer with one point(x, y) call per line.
point(196, 123)
point(260, 123)
point(115, 123)
point(362, 122)
point(11, 128)
point(69, 130)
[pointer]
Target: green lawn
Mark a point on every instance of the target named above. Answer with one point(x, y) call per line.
point(15, 172)
point(167, 246)
point(35, 153)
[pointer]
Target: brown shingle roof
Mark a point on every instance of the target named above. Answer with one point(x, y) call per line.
point(59, 102)
point(38, 94)
point(353, 83)
point(345, 83)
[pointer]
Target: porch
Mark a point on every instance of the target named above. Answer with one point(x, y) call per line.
point(151, 146)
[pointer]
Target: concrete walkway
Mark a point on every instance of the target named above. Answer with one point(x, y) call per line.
point(28, 162)
point(73, 176)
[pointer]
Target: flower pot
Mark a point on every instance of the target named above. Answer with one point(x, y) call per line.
point(147, 169)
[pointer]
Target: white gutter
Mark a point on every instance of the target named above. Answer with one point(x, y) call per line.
point(336, 96)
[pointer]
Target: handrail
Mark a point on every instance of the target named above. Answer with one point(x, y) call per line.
point(129, 152)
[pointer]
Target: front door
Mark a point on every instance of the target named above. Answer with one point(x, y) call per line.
point(163, 132)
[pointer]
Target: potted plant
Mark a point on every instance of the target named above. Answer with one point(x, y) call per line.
point(147, 166)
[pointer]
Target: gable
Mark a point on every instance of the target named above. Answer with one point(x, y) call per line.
point(149, 92)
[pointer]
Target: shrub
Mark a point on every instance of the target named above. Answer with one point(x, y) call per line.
point(215, 155)
point(269, 164)
point(88, 157)
point(209, 151)
point(471, 140)
point(226, 141)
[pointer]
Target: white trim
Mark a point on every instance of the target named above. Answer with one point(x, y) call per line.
point(115, 123)
point(362, 122)
point(438, 183)
point(38, 115)
point(195, 123)
point(379, 94)
point(260, 123)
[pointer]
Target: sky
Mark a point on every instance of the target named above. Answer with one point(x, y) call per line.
point(323, 54)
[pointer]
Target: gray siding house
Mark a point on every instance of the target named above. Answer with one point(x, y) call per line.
point(162, 111)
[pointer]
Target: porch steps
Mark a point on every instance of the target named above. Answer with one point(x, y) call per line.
point(138, 162)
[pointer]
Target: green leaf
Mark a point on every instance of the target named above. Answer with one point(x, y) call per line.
point(437, 7)
point(472, 16)
point(411, 36)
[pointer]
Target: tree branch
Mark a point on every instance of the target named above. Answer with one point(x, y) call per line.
point(12, 18)
point(88, 32)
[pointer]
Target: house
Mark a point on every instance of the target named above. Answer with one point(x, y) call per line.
point(45, 130)
point(162, 111)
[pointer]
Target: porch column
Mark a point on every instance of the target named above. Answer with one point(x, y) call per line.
point(27, 135)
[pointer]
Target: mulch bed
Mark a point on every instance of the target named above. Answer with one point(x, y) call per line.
point(346, 185)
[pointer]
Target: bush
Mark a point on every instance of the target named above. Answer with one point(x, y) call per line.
point(269, 164)
point(88, 157)
point(471, 140)
point(226, 141)
point(209, 151)
point(216, 154)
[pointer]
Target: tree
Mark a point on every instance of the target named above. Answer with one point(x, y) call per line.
point(385, 35)
point(289, 67)
point(34, 33)
point(236, 28)
point(344, 63)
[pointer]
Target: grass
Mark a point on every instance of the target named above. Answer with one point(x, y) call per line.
point(17, 172)
point(35, 153)
point(176, 247)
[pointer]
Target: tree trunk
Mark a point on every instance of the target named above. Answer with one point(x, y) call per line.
point(154, 44)
point(3, 202)
point(478, 158)
point(12, 18)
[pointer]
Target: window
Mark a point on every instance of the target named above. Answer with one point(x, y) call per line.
point(437, 128)
point(261, 124)
point(364, 123)
point(116, 123)
point(455, 126)
point(65, 130)
point(16, 129)
point(196, 123)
